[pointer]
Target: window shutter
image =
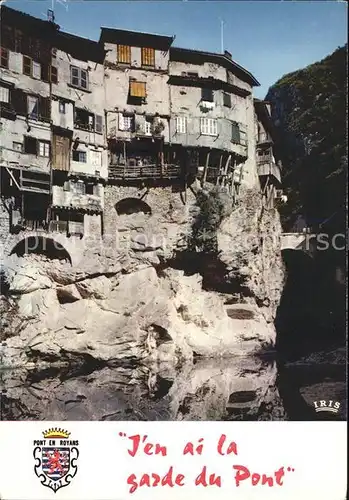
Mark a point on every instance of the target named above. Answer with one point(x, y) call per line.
point(19, 101)
point(227, 100)
point(54, 74)
point(137, 89)
point(124, 54)
point(235, 133)
point(148, 56)
point(45, 72)
point(4, 54)
point(99, 124)
point(44, 108)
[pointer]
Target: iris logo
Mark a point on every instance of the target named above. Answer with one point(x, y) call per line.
point(331, 406)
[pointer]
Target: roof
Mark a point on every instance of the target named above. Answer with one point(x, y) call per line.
point(79, 47)
point(210, 82)
point(200, 57)
point(29, 24)
point(136, 38)
point(263, 114)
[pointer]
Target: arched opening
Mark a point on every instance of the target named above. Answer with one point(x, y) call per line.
point(40, 245)
point(129, 206)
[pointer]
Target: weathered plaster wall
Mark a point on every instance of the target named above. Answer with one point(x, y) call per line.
point(14, 131)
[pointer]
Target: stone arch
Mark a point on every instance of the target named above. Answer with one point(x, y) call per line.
point(128, 206)
point(41, 245)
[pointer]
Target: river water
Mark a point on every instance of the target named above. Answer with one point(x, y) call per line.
point(243, 388)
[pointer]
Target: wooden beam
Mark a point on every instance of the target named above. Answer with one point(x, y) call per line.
point(205, 169)
point(219, 169)
point(13, 177)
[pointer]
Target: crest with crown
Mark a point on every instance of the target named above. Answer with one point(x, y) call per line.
point(56, 434)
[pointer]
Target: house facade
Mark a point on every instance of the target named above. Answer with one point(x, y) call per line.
point(212, 115)
point(268, 164)
point(129, 109)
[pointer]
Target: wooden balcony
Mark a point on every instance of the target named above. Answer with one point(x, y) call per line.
point(266, 166)
point(144, 172)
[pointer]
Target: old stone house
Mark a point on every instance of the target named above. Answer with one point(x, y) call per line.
point(80, 117)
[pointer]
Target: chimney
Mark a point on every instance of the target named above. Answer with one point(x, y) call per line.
point(227, 54)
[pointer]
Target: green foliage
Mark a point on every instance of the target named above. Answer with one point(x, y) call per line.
point(309, 111)
point(213, 206)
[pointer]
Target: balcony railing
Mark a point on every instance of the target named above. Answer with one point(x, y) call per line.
point(144, 172)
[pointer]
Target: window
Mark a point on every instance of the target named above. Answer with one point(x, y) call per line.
point(27, 66)
point(4, 57)
point(96, 158)
point(148, 126)
point(30, 145)
point(61, 107)
point(4, 94)
point(235, 133)
point(78, 77)
point(44, 149)
point(54, 74)
point(207, 95)
point(226, 100)
point(181, 125)
point(17, 146)
point(137, 89)
point(83, 119)
point(80, 187)
point(36, 70)
point(33, 107)
point(89, 189)
point(99, 124)
point(124, 54)
point(126, 122)
point(209, 126)
point(79, 156)
point(148, 57)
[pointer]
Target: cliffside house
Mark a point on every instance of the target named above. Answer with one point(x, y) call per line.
point(130, 109)
point(268, 165)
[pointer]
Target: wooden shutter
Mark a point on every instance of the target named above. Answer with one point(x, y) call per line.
point(61, 153)
point(137, 89)
point(44, 108)
point(54, 74)
point(235, 133)
point(227, 100)
point(19, 101)
point(4, 55)
point(148, 57)
point(124, 54)
point(27, 66)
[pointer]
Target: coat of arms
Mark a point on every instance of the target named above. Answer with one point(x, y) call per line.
point(55, 456)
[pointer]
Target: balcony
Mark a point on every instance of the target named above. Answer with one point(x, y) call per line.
point(144, 172)
point(267, 166)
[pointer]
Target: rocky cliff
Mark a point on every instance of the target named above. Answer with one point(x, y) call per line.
point(309, 113)
point(150, 297)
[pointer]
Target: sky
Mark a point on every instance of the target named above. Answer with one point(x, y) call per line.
point(268, 38)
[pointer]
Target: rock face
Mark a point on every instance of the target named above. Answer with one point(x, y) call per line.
point(309, 113)
point(137, 304)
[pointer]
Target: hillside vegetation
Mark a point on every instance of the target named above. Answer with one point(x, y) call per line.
point(309, 112)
